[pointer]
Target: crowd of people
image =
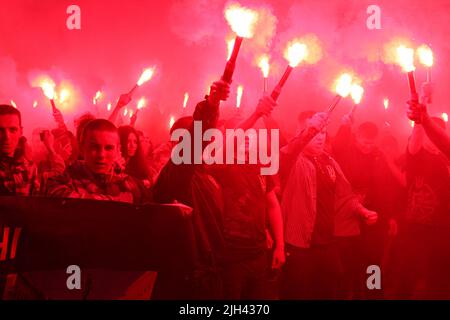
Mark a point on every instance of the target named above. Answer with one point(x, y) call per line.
point(337, 206)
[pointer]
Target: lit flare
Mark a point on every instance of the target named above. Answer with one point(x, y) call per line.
point(241, 20)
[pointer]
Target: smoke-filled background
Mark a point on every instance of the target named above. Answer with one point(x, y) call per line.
point(186, 41)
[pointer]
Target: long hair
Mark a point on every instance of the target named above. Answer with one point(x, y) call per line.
point(136, 165)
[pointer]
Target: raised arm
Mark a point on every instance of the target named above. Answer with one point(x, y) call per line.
point(425, 125)
point(313, 127)
point(415, 142)
point(437, 135)
point(59, 119)
point(276, 227)
point(207, 110)
point(123, 101)
point(271, 123)
point(264, 108)
point(133, 119)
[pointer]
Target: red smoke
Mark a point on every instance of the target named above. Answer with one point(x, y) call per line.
point(185, 41)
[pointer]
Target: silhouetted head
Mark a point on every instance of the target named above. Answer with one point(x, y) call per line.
point(366, 137)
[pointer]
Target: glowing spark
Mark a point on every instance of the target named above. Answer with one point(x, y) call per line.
point(386, 103)
point(264, 65)
point(445, 117)
point(141, 103)
point(125, 112)
point(97, 97)
point(186, 98)
point(35, 104)
point(49, 89)
point(425, 56)
point(146, 76)
point(295, 53)
point(13, 104)
point(109, 106)
point(344, 85)
point(240, 91)
point(405, 58)
point(241, 20)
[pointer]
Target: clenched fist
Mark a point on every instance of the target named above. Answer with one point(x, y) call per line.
point(219, 91)
point(416, 111)
point(370, 217)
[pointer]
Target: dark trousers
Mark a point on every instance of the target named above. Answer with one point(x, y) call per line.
point(374, 251)
point(246, 278)
point(311, 273)
point(352, 279)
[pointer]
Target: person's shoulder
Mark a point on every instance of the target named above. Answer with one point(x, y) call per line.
point(63, 178)
point(77, 168)
point(129, 182)
point(303, 161)
point(19, 162)
point(74, 171)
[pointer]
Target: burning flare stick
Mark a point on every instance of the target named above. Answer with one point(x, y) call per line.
point(357, 93)
point(426, 58)
point(294, 53)
point(140, 105)
point(386, 103)
point(343, 88)
point(48, 88)
point(52, 102)
point(185, 101)
point(264, 65)
point(405, 58)
point(242, 22)
point(240, 92)
point(97, 97)
point(133, 115)
point(145, 76)
point(171, 122)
